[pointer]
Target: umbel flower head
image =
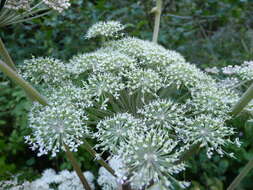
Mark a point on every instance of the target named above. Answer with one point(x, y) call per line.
point(164, 114)
point(105, 29)
point(151, 156)
point(44, 71)
point(115, 130)
point(16, 11)
point(210, 132)
point(55, 125)
point(147, 103)
point(58, 5)
point(17, 4)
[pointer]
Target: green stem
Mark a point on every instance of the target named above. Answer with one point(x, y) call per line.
point(157, 11)
point(242, 174)
point(245, 99)
point(100, 161)
point(6, 56)
point(25, 85)
point(77, 168)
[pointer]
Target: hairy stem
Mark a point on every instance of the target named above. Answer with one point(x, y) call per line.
point(242, 174)
point(99, 160)
point(245, 99)
point(157, 10)
point(77, 168)
point(6, 56)
point(25, 85)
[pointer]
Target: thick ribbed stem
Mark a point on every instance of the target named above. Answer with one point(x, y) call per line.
point(242, 174)
point(25, 85)
point(6, 56)
point(157, 10)
point(99, 160)
point(77, 168)
point(245, 99)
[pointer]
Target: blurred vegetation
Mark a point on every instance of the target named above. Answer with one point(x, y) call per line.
point(208, 33)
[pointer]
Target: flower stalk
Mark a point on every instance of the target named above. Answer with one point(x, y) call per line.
point(158, 11)
point(77, 168)
point(20, 81)
point(6, 56)
point(242, 174)
point(246, 98)
point(98, 159)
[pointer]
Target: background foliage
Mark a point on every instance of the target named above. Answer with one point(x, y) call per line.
point(208, 33)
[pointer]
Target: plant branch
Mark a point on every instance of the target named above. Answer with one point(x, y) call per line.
point(77, 168)
point(157, 10)
point(245, 99)
point(100, 160)
point(25, 85)
point(6, 56)
point(242, 174)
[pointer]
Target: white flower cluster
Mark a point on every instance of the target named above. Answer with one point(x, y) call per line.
point(209, 131)
point(18, 4)
point(64, 180)
point(100, 61)
point(46, 71)
point(106, 180)
point(164, 114)
point(150, 156)
point(148, 104)
point(105, 29)
point(58, 5)
point(55, 125)
point(116, 130)
point(243, 72)
point(147, 53)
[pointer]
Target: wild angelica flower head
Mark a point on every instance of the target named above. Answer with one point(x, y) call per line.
point(55, 125)
point(58, 5)
point(164, 114)
point(185, 74)
point(148, 53)
point(147, 81)
point(114, 131)
point(142, 98)
point(243, 72)
point(100, 61)
point(44, 71)
point(18, 4)
point(210, 132)
point(151, 156)
point(212, 99)
point(100, 85)
point(105, 29)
